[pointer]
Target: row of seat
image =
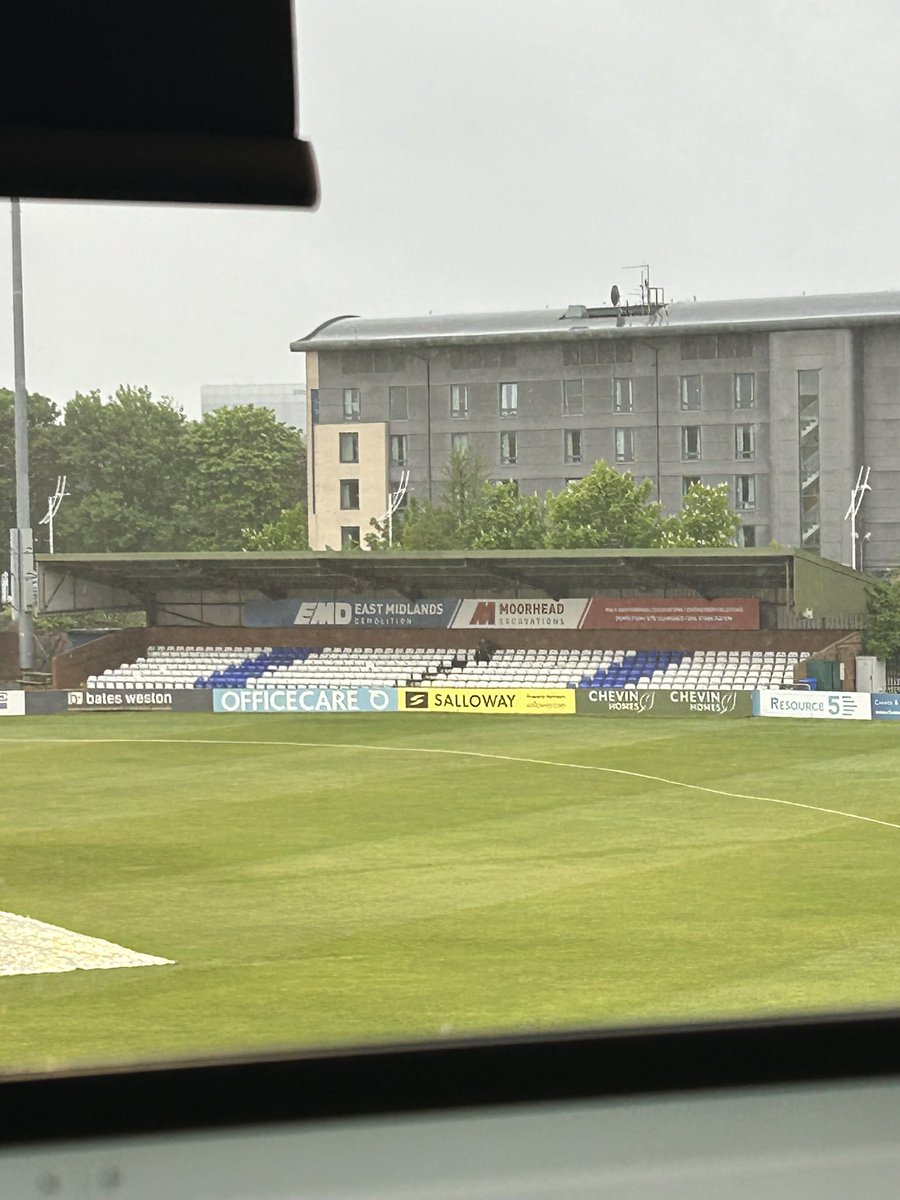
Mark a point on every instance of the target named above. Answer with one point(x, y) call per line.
point(336, 666)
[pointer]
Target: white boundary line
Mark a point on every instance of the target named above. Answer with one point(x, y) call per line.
point(539, 762)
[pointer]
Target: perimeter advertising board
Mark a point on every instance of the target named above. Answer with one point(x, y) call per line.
point(541, 701)
point(886, 706)
point(585, 612)
point(647, 702)
point(304, 700)
point(138, 700)
point(12, 704)
point(833, 706)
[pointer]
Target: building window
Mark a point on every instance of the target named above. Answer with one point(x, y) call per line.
point(745, 390)
point(349, 537)
point(808, 421)
point(509, 399)
point(746, 536)
point(398, 403)
point(703, 346)
point(349, 447)
point(349, 493)
point(709, 346)
point(509, 449)
point(459, 443)
point(690, 443)
point(745, 491)
point(399, 456)
point(572, 444)
point(624, 445)
point(459, 399)
point(623, 399)
point(352, 407)
point(734, 345)
point(688, 481)
point(745, 442)
point(690, 393)
point(573, 397)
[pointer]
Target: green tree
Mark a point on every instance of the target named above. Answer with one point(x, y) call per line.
point(881, 636)
point(246, 468)
point(44, 450)
point(126, 462)
point(606, 510)
point(445, 524)
point(705, 518)
point(506, 520)
point(289, 531)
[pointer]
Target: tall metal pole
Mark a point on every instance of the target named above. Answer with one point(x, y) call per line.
point(22, 533)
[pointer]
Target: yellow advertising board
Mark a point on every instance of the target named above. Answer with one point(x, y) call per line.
point(539, 701)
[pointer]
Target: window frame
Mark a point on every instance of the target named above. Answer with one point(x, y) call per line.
point(460, 412)
point(745, 453)
point(348, 488)
point(738, 375)
point(621, 385)
point(750, 504)
point(353, 443)
point(400, 440)
point(625, 435)
point(683, 393)
point(352, 404)
point(510, 456)
point(571, 455)
point(567, 407)
point(394, 394)
point(691, 432)
point(508, 400)
point(353, 541)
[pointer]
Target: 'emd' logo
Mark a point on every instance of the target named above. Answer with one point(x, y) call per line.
point(485, 613)
point(4, 703)
point(416, 700)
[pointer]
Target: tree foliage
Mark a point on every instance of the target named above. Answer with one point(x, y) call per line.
point(882, 633)
point(606, 510)
point(705, 518)
point(245, 469)
point(289, 531)
point(141, 477)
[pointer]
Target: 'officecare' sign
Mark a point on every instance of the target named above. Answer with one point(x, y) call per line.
point(304, 700)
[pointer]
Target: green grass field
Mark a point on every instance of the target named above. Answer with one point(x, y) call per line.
point(360, 889)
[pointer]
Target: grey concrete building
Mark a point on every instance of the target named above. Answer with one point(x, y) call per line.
point(286, 400)
point(782, 399)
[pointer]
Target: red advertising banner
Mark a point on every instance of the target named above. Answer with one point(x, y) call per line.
point(655, 612)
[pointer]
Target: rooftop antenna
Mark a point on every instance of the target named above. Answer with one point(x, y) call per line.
point(856, 498)
point(652, 298)
point(53, 506)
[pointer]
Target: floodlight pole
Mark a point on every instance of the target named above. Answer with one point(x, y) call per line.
point(21, 542)
point(856, 498)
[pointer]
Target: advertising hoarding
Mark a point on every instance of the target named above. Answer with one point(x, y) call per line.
point(655, 612)
point(12, 704)
point(136, 700)
point(488, 700)
point(832, 706)
point(652, 702)
point(304, 700)
point(886, 706)
point(584, 612)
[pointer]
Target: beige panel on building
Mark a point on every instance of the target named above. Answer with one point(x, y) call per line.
point(348, 483)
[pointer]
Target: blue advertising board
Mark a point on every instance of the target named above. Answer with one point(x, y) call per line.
point(359, 614)
point(304, 700)
point(886, 706)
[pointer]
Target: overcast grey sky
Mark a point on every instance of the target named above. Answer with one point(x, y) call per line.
point(496, 154)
